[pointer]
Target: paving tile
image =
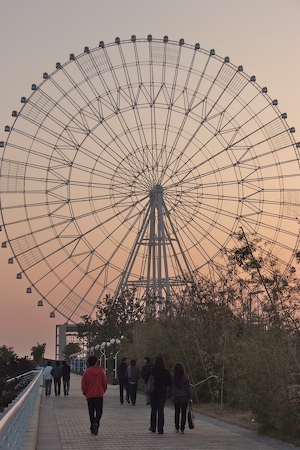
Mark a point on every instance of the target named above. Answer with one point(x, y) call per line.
point(64, 425)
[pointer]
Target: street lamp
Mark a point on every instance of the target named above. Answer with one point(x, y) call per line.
point(113, 351)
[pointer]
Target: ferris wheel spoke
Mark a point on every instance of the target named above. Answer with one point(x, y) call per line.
point(172, 100)
point(72, 242)
point(233, 145)
point(205, 114)
point(220, 127)
point(124, 147)
point(121, 118)
point(189, 243)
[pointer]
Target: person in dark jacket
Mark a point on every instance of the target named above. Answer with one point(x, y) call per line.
point(93, 386)
point(66, 370)
point(123, 382)
point(162, 381)
point(133, 374)
point(181, 393)
point(56, 372)
point(145, 373)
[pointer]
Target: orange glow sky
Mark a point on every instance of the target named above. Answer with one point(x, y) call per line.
point(34, 35)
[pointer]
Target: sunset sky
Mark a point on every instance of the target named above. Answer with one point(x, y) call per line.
point(263, 36)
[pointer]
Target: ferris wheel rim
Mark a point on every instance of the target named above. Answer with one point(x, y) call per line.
point(189, 212)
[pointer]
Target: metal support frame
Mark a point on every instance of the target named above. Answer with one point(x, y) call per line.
point(157, 233)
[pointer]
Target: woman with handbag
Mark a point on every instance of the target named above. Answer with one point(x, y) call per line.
point(181, 395)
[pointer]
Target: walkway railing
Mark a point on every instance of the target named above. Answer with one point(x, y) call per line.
point(16, 419)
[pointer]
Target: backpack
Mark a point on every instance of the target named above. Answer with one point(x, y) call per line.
point(150, 385)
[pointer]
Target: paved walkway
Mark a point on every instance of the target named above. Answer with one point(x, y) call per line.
point(64, 425)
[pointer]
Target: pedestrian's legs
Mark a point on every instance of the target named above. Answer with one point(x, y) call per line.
point(121, 393)
point(177, 411)
point(153, 402)
point(147, 396)
point(183, 415)
point(95, 407)
point(127, 390)
point(160, 413)
point(99, 409)
point(132, 391)
point(91, 408)
point(66, 386)
point(48, 384)
point(57, 385)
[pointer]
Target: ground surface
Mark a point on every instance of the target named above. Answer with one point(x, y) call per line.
point(243, 419)
point(240, 418)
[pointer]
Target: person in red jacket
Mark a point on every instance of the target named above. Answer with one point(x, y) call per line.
point(93, 386)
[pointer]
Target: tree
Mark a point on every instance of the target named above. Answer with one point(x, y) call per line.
point(7, 354)
point(70, 349)
point(11, 366)
point(114, 318)
point(38, 351)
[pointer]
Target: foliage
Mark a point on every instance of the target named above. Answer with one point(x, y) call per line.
point(38, 351)
point(268, 375)
point(70, 349)
point(114, 319)
point(11, 366)
point(7, 354)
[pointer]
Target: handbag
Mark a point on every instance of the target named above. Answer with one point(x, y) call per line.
point(150, 385)
point(191, 417)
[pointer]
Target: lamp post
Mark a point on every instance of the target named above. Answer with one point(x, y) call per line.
point(103, 357)
point(110, 345)
point(117, 342)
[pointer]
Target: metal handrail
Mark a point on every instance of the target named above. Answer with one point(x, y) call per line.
point(16, 419)
point(24, 376)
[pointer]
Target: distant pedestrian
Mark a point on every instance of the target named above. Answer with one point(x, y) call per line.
point(133, 374)
point(56, 372)
point(181, 395)
point(48, 378)
point(93, 386)
point(145, 373)
point(123, 382)
point(162, 381)
point(66, 371)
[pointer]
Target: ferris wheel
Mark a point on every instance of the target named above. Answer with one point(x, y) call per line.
point(134, 165)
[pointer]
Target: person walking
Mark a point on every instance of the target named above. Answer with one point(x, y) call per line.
point(123, 382)
point(162, 381)
point(145, 373)
point(133, 374)
point(66, 371)
point(181, 396)
point(48, 378)
point(56, 372)
point(93, 386)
